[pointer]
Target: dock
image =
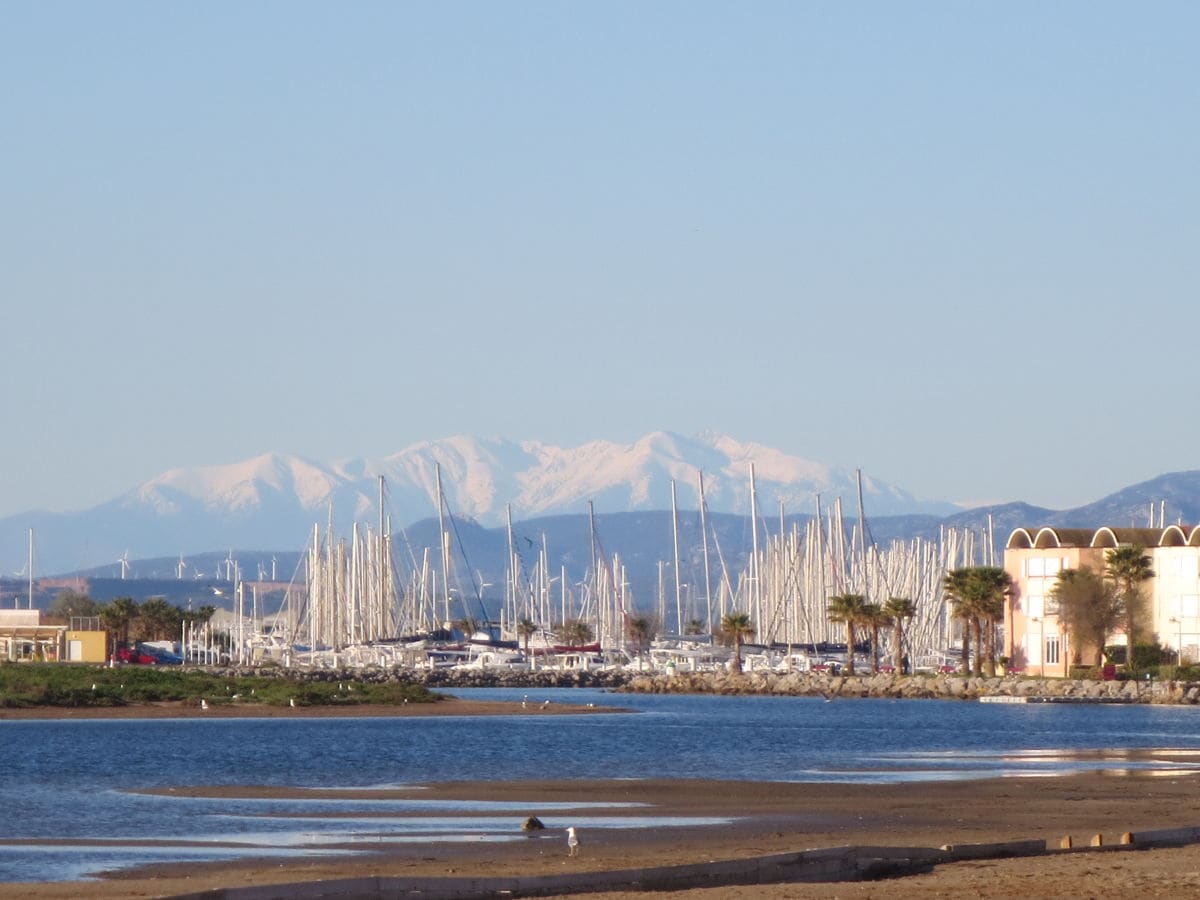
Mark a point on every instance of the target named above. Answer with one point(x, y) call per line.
point(1108, 701)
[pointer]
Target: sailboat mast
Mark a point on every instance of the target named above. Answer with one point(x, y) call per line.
point(704, 544)
point(381, 568)
point(755, 596)
point(443, 538)
point(675, 540)
point(862, 537)
point(511, 586)
point(595, 560)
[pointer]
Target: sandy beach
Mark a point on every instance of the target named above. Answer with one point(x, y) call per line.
point(765, 818)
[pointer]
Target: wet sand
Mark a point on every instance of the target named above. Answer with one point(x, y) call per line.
point(450, 706)
point(766, 818)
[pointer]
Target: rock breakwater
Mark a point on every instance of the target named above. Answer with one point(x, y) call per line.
point(939, 687)
point(792, 684)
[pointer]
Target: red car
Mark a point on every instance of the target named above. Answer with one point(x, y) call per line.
point(128, 655)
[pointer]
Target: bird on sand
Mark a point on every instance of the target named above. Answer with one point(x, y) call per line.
point(572, 842)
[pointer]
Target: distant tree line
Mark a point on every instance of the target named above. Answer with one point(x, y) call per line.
point(128, 621)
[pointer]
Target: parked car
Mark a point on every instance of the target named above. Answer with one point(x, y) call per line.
point(145, 655)
point(135, 656)
point(161, 657)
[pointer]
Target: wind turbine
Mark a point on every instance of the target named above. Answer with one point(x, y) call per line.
point(124, 561)
point(181, 568)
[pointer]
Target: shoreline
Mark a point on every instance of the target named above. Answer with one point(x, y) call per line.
point(448, 706)
point(763, 818)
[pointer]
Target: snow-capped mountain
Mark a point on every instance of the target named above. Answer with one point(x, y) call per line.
point(479, 477)
point(272, 501)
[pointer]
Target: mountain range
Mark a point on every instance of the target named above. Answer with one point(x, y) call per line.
point(271, 502)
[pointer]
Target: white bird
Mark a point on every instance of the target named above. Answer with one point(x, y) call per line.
point(545, 704)
point(93, 685)
point(572, 842)
point(291, 701)
point(204, 704)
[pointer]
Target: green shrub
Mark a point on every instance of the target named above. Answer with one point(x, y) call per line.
point(50, 684)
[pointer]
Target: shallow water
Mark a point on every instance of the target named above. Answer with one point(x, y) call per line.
point(76, 779)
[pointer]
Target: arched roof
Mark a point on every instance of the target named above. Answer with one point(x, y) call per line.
point(1047, 538)
point(1173, 536)
point(1020, 539)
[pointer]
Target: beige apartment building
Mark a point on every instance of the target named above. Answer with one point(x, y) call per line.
point(1033, 638)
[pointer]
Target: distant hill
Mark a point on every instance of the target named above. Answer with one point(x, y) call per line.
point(645, 539)
point(273, 500)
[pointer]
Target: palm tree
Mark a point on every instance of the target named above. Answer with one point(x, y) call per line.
point(641, 632)
point(1128, 567)
point(899, 608)
point(737, 626)
point(875, 617)
point(848, 609)
point(526, 629)
point(957, 586)
point(693, 626)
point(978, 594)
point(575, 633)
point(994, 586)
point(159, 620)
point(117, 617)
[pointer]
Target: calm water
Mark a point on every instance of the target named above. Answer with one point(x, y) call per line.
point(70, 780)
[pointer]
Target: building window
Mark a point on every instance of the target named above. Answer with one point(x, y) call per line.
point(1052, 649)
point(1035, 606)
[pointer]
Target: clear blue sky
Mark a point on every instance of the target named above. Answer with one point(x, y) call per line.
point(954, 244)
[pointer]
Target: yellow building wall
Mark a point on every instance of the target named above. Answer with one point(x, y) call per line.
point(93, 646)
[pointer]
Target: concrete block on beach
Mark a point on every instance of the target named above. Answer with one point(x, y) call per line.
point(996, 849)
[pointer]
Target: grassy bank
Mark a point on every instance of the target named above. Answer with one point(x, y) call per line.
point(24, 685)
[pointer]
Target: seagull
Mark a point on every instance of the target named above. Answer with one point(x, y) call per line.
point(524, 701)
point(291, 701)
point(572, 842)
point(204, 704)
point(545, 704)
